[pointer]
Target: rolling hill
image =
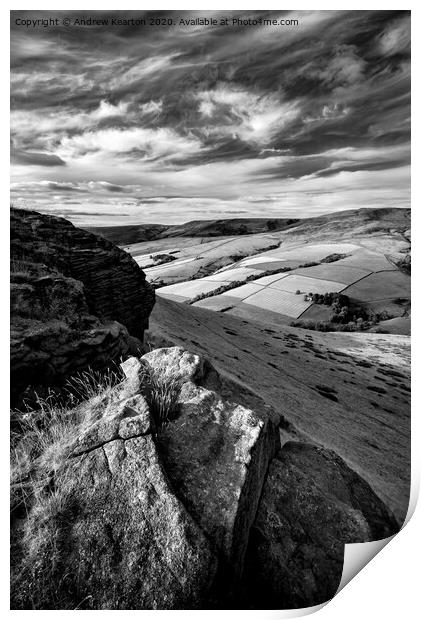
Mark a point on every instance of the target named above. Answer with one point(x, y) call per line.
point(124, 235)
point(273, 276)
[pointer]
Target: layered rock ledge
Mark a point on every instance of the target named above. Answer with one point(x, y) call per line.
point(76, 300)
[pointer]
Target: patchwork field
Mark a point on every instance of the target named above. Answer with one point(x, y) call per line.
point(364, 259)
point(382, 285)
point(243, 291)
point(206, 258)
point(284, 302)
point(355, 255)
point(334, 271)
point(232, 275)
point(311, 251)
point(295, 282)
point(286, 293)
point(188, 290)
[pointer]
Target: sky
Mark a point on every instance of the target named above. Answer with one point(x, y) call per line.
point(123, 124)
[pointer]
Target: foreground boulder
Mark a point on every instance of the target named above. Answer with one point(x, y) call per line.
point(216, 452)
point(76, 300)
point(161, 494)
point(312, 505)
point(121, 525)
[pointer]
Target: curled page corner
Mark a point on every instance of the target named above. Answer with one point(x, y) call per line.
point(358, 555)
point(414, 495)
point(290, 613)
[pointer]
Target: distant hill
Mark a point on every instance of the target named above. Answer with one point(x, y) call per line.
point(383, 219)
point(126, 235)
point(359, 221)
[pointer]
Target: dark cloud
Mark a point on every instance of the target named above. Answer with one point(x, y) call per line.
point(35, 159)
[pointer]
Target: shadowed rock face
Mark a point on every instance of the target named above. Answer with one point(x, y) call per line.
point(76, 300)
point(312, 505)
point(115, 287)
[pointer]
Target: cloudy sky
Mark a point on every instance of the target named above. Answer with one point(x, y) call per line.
point(126, 124)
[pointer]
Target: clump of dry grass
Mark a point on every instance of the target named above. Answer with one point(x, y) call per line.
point(39, 576)
point(90, 383)
point(43, 434)
point(42, 490)
point(161, 392)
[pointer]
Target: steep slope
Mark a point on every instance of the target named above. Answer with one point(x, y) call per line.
point(346, 392)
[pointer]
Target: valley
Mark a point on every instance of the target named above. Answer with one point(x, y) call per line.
point(272, 274)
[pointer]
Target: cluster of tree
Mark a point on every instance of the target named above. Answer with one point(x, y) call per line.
point(326, 326)
point(160, 259)
point(330, 299)
point(357, 325)
point(333, 258)
point(346, 316)
point(312, 263)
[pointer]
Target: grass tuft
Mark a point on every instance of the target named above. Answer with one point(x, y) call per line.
point(161, 392)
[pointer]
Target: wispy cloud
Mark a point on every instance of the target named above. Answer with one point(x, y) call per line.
point(186, 122)
point(253, 117)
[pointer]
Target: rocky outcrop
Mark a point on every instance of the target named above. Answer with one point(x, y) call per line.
point(207, 511)
point(126, 541)
point(115, 287)
point(142, 528)
point(76, 300)
point(216, 452)
point(312, 505)
point(53, 335)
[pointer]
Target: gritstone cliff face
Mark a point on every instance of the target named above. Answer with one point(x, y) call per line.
point(75, 300)
point(209, 512)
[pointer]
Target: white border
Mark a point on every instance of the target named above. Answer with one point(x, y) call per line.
point(388, 586)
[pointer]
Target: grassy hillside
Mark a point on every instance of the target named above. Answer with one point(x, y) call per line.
point(383, 219)
point(125, 235)
point(348, 392)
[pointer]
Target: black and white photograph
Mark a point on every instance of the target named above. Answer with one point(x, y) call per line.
point(210, 295)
